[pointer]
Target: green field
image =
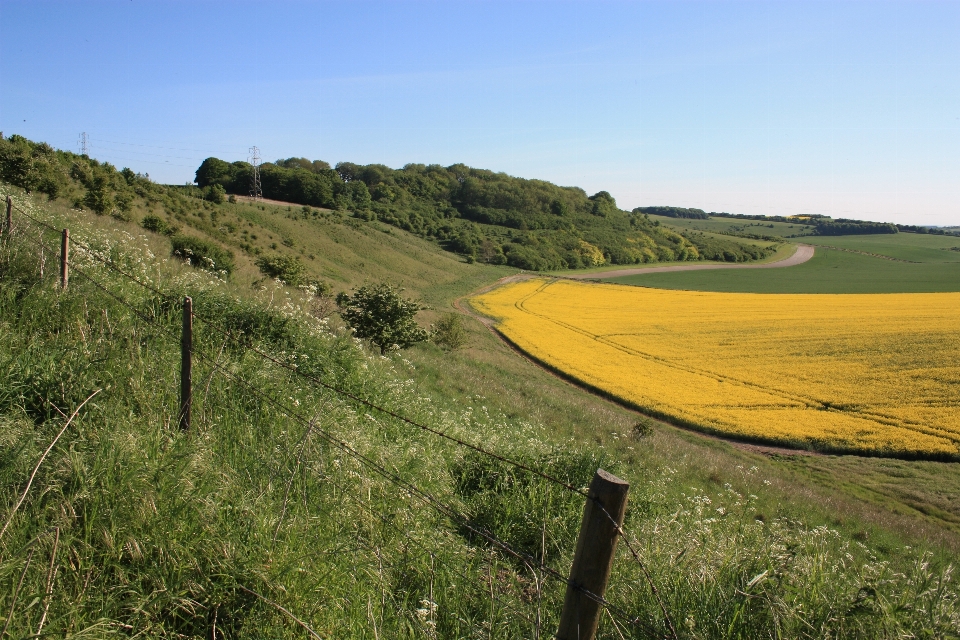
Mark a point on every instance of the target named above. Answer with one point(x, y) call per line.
point(829, 271)
point(735, 226)
point(914, 247)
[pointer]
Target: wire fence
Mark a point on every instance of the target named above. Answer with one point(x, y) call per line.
point(406, 488)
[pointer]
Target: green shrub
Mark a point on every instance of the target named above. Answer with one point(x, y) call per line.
point(449, 332)
point(32, 166)
point(215, 193)
point(202, 254)
point(159, 225)
point(380, 314)
point(289, 269)
point(643, 428)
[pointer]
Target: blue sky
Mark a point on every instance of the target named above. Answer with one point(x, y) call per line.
point(850, 109)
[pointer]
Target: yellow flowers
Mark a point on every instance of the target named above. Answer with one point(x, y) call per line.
point(876, 373)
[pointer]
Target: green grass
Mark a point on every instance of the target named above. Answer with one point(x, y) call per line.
point(160, 533)
point(915, 247)
point(733, 225)
point(829, 271)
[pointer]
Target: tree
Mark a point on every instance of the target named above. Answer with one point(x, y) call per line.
point(348, 171)
point(99, 196)
point(214, 171)
point(379, 313)
point(603, 204)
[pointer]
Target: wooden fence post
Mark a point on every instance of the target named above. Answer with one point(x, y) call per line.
point(594, 556)
point(186, 364)
point(9, 223)
point(64, 258)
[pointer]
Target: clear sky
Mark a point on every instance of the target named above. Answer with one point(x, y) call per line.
point(850, 109)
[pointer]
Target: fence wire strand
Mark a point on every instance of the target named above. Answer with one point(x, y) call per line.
point(427, 498)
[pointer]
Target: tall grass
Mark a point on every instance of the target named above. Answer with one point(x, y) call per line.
point(257, 524)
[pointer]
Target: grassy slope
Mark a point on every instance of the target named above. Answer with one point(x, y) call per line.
point(903, 246)
point(900, 503)
point(347, 252)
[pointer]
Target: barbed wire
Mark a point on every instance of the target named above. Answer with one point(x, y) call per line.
point(427, 499)
point(294, 369)
point(360, 504)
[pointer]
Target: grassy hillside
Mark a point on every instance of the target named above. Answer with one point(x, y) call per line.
point(258, 516)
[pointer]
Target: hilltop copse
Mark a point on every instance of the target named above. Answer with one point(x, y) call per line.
point(485, 216)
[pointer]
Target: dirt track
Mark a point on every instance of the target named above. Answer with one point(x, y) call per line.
point(803, 253)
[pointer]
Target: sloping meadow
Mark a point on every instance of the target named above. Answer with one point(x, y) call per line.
point(290, 510)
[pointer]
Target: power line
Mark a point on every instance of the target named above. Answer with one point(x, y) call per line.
point(256, 191)
point(151, 146)
point(84, 142)
point(147, 153)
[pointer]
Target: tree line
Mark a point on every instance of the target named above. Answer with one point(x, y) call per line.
point(483, 215)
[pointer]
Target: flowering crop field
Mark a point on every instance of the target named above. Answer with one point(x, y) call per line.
point(868, 373)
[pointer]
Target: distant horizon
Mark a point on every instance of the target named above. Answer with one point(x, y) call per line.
point(850, 110)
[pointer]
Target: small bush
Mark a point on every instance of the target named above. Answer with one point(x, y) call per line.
point(289, 269)
point(449, 332)
point(215, 193)
point(202, 254)
point(643, 428)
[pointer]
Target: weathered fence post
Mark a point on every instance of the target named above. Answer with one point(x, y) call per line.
point(594, 556)
point(64, 257)
point(186, 364)
point(9, 222)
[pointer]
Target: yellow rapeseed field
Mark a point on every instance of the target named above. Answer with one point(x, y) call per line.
point(876, 373)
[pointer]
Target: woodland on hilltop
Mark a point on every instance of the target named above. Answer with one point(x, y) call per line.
point(485, 216)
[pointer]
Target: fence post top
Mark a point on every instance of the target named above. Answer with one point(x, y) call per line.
point(609, 481)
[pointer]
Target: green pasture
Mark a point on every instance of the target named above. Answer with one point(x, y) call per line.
point(733, 225)
point(914, 247)
point(829, 271)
